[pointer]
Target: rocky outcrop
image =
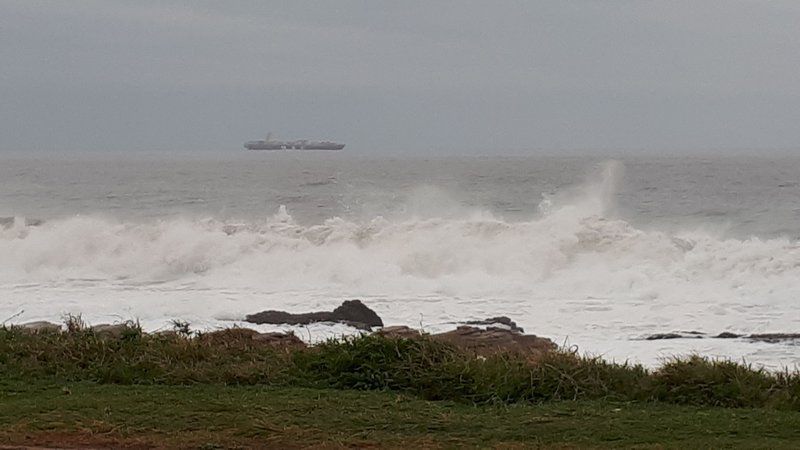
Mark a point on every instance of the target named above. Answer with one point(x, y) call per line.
point(676, 335)
point(282, 340)
point(499, 320)
point(40, 327)
point(351, 312)
point(483, 342)
point(494, 340)
point(774, 337)
point(400, 332)
point(771, 338)
point(728, 335)
point(247, 337)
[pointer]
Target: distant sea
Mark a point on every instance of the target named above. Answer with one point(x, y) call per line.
point(594, 252)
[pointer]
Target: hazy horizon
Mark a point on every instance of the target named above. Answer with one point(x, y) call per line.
point(418, 78)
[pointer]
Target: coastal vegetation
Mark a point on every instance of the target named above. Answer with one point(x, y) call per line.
point(372, 388)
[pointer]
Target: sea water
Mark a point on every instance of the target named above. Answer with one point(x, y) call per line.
point(595, 252)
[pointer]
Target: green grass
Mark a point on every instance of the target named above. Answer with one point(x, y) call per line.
point(216, 416)
point(227, 388)
point(429, 369)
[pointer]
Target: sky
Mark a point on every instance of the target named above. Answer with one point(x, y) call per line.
point(412, 77)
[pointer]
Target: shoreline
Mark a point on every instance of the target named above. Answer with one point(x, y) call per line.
point(112, 386)
point(657, 347)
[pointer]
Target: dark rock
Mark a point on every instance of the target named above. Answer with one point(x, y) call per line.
point(503, 320)
point(728, 335)
point(351, 312)
point(357, 312)
point(283, 317)
point(774, 337)
point(766, 337)
point(655, 337)
point(685, 335)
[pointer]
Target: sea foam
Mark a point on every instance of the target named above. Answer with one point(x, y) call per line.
point(575, 271)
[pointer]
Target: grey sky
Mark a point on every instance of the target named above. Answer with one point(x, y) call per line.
point(400, 77)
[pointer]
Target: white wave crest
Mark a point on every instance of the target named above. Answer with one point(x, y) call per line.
point(576, 270)
point(572, 249)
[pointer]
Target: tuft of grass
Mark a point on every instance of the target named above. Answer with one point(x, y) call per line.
point(74, 323)
point(430, 369)
point(700, 381)
point(438, 371)
point(181, 327)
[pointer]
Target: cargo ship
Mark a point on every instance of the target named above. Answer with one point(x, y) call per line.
point(300, 144)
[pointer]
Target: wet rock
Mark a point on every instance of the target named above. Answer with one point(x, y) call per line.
point(351, 312)
point(40, 327)
point(728, 335)
point(774, 337)
point(766, 337)
point(678, 335)
point(356, 312)
point(502, 320)
point(495, 340)
point(659, 336)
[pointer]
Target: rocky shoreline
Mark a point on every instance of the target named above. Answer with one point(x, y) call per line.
point(483, 337)
point(770, 338)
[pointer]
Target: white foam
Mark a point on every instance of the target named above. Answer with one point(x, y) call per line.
point(573, 272)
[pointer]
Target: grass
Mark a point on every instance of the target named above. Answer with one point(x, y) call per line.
point(225, 387)
point(430, 369)
point(216, 416)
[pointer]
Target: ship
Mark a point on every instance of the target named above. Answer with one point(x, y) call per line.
point(301, 144)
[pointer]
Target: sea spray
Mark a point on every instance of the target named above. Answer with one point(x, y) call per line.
point(574, 269)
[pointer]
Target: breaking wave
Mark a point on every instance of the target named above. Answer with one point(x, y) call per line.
point(574, 247)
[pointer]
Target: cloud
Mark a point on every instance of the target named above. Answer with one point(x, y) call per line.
point(566, 74)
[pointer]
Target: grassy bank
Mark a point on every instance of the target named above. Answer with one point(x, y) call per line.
point(215, 416)
point(228, 389)
point(429, 369)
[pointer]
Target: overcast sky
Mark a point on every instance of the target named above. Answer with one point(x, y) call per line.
point(400, 77)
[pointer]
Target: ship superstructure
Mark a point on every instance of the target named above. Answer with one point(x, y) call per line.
point(301, 144)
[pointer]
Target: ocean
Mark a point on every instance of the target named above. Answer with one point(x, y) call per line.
point(594, 252)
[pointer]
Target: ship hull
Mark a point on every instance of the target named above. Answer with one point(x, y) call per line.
point(323, 147)
point(265, 145)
